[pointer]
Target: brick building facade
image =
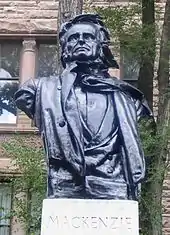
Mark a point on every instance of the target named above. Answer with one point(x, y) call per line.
point(28, 49)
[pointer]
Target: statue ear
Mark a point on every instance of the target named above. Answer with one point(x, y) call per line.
point(64, 57)
point(101, 54)
point(65, 53)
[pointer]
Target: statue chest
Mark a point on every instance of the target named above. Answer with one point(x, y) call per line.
point(95, 109)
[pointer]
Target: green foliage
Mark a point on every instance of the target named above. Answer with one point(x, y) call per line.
point(127, 32)
point(155, 145)
point(125, 27)
point(30, 186)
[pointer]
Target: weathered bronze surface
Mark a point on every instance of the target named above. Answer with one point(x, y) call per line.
point(87, 119)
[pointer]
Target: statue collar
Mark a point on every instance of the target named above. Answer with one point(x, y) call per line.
point(97, 82)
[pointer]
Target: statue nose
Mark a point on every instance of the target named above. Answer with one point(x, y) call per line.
point(81, 39)
point(81, 42)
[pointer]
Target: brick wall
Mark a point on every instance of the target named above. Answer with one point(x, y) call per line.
point(28, 16)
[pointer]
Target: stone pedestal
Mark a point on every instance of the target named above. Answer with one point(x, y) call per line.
point(89, 217)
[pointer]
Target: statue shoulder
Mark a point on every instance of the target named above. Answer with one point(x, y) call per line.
point(142, 107)
point(128, 89)
point(47, 81)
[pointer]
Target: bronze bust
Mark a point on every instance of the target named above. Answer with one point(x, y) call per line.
point(87, 119)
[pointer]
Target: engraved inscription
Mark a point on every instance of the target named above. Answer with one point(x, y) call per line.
point(91, 222)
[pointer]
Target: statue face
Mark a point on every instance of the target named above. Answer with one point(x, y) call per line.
point(81, 43)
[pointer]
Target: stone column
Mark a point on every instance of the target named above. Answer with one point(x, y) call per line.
point(28, 60)
point(27, 71)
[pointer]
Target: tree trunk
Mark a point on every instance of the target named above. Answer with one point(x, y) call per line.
point(67, 9)
point(163, 117)
point(145, 84)
point(163, 70)
point(146, 74)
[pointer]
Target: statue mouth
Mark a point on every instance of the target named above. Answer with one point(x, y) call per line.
point(79, 49)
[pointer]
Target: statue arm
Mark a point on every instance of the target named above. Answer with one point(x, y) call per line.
point(25, 97)
point(132, 153)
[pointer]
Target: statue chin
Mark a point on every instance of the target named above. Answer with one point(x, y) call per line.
point(84, 59)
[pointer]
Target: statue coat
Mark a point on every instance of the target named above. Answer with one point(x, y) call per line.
point(45, 101)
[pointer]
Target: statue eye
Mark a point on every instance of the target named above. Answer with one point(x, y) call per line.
point(88, 36)
point(73, 37)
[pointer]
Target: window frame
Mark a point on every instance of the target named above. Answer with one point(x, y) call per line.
point(18, 42)
point(48, 41)
point(131, 81)
point(7, 183)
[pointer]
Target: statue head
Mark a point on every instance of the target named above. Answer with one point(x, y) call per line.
point(85, 39)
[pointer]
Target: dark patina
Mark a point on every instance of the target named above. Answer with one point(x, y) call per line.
point(87, 119)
